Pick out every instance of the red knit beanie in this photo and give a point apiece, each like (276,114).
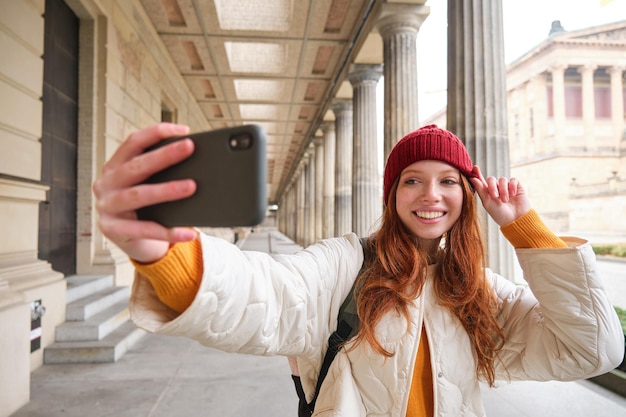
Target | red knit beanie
(426,143)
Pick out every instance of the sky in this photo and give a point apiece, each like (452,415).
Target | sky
(526,24)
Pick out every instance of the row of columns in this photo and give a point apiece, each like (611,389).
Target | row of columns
(588,100)
(347,153)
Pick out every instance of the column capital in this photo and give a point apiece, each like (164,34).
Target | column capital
(363,73)
(327,126)
(304,161)
(317,141)
(587,68)
(617,69)
(401,18)
(340,105)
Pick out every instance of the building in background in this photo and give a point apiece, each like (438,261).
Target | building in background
(566,130)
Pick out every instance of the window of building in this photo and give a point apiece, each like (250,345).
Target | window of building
(573,102)
(550,102)
(602,100)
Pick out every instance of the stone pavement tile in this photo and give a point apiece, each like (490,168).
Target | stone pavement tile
(164,376)
(96,397)
(213,383)
(224,397)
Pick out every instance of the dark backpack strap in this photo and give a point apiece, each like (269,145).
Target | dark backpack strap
(303,406)
(347,327)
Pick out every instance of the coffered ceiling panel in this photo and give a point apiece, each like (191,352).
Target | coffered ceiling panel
(276,63)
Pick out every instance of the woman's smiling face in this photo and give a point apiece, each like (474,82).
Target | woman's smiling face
(429,198)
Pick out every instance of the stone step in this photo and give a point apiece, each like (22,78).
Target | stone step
(86,307)
(80,286)
(96,327)
(109,349)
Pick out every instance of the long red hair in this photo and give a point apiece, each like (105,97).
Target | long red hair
(395,277)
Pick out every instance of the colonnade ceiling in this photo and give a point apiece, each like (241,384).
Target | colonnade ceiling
(276,63)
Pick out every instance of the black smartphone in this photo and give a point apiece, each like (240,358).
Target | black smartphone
(230,169)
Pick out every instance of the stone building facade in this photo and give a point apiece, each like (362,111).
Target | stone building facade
(565,104)
(566,129)
(121,80)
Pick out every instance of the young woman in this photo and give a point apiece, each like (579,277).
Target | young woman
(434,320)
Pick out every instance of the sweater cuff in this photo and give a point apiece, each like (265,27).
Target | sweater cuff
(177,276)
(529,231)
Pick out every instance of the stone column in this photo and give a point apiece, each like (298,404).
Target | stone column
(366,201)
(558,104)
(304,241)
(310,196)
(588,100)
(286,213)
(328,210)
(540,112)
(292,219)
(300,206)
(343,166)
(319,188)
(280,214)
(617,103)
(477,102)
(398,26)
(283,212)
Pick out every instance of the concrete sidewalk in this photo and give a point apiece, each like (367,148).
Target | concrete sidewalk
(174,377)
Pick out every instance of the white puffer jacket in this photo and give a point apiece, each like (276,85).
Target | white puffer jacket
(251,302)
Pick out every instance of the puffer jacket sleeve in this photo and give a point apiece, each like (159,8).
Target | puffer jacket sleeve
(254,303)
(563,327)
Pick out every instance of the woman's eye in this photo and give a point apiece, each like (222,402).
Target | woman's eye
(449,182)
(410,181)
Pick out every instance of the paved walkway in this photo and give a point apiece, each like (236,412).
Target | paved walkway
(174,377)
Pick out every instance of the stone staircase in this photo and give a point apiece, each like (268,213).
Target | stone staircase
(97,327)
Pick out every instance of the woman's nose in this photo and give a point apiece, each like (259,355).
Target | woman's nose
(432,191)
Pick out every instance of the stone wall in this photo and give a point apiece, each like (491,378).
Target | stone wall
(126,77)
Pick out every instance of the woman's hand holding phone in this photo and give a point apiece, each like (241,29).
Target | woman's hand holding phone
(121,190)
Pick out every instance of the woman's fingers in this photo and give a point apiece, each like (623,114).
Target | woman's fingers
(492,187)
(143,241)
(124,231)
(121,190)
(137,142)
(503,198)
(513,187)
(478,175)
(135,197)
(142,166)
(500,188)
(503,189)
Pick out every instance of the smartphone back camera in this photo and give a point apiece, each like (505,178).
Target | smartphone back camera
(240,142)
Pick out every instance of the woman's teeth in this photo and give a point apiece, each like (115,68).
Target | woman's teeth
(429,214)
